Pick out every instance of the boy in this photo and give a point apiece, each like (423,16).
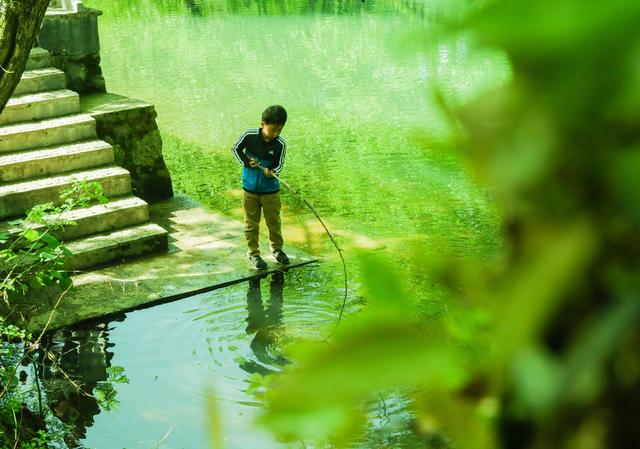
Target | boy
(263,146)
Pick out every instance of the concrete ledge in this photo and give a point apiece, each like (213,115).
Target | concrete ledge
(206,252)
(129,125)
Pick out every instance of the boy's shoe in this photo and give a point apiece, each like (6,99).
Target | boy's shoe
(257,262)
(281,257)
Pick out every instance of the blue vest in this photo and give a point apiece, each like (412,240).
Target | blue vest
(255,181)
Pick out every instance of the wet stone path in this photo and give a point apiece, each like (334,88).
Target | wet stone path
(206,252)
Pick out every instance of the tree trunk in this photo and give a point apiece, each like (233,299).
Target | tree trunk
(20,22)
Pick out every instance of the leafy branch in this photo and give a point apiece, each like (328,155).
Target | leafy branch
(34,257)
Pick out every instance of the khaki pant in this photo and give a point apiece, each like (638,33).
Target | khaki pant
(253,206)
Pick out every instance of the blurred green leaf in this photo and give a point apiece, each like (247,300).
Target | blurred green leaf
(622,173)
(547,29)
(321,422)
(214,423)
(382,286)
(625,108)
(536,376)
(588,355)
(463,420)
(537,285)
(364,359)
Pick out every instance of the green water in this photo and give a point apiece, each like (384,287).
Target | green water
(365,146)
(358,82)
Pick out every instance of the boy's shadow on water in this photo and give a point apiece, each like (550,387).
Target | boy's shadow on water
(264,321)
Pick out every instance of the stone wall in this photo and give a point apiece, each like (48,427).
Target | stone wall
(70,33)
(129,126)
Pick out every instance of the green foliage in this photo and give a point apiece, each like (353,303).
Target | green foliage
(12,340)
(550,358)
(82,194)
(10,332)
(105,391)
(33,257)
(41,441)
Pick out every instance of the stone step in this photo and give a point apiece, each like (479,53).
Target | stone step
(18,197)
(49,132)
(40,80)
(116,246)
(55,160)
(38,58)
(116,214)
(40,106)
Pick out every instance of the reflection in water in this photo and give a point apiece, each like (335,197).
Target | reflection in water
(82,366)
(194,7)
(283,7)
(174,352)
(266,324)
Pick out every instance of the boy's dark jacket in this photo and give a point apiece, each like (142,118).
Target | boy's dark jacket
(269,154)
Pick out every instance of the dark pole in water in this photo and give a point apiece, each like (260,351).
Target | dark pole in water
(333,240)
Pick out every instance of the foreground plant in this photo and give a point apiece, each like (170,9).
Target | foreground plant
(540,349)
(32,258)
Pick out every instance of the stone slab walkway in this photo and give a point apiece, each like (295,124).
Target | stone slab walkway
(206,252)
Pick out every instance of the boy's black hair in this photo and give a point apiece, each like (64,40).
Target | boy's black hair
(275,114)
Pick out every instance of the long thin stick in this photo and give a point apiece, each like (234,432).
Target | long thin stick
(333,240)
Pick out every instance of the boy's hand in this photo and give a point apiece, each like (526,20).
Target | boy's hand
(268,173)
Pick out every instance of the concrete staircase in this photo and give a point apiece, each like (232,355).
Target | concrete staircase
(46,145)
